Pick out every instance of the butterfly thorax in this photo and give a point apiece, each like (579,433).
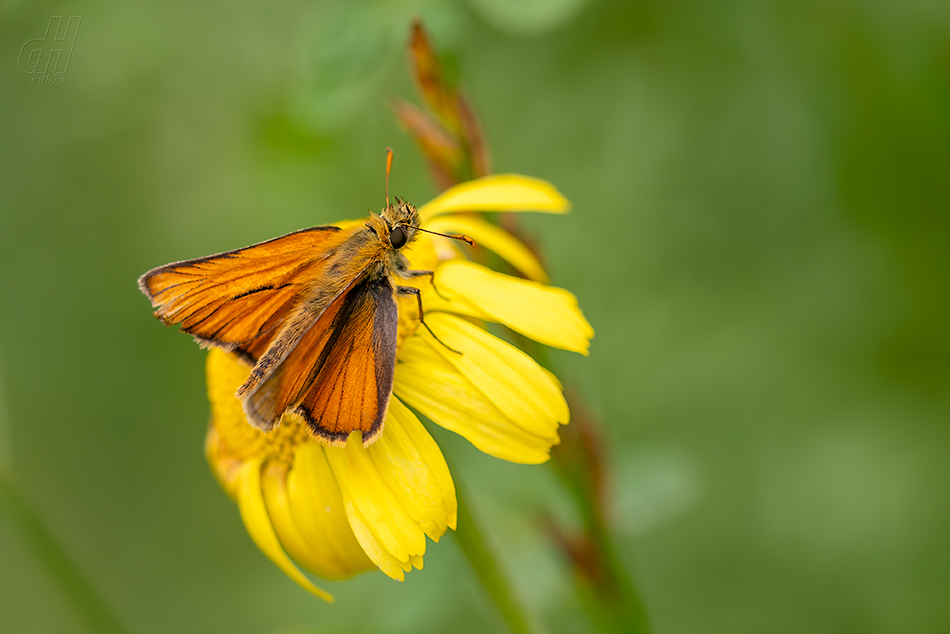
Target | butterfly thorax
(370,250)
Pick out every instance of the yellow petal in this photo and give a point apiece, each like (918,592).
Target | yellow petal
(434,302)
(224,467)
(376,515)
(319,535)
(546,314)
(498,192)
(311,554)
(421,253)
(495,239)
(224,374)
(511,379)
(433,386)
(413,467)
(257,521)
(383,559)
(236,438)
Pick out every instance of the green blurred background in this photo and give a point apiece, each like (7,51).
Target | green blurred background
(761,198)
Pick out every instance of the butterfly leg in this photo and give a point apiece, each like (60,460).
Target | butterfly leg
(411,274)
(412,290)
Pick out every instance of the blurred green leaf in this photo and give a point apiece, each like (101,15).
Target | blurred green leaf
(528,17)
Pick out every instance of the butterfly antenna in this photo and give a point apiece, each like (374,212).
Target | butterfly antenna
(389,165)
(464,239)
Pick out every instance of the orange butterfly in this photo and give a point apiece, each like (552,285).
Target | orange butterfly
(313,311)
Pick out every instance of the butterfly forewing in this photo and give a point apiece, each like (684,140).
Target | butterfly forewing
(232,298)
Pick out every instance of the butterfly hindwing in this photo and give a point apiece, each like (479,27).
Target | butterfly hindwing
(352,388)
(338,376)
(292,360)
(230,299)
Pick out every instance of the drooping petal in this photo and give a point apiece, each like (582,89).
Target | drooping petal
(384,560)
(311,554)
(307,512)
(382,526)
(413,467)
(546,314)
(316,505)
(256,519)
(498,192)
(493,238)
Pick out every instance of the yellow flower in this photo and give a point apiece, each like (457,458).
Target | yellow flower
(338,511)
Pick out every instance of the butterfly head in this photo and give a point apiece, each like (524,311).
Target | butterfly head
(401,220)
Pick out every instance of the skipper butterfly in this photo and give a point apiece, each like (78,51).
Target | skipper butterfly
(313,312)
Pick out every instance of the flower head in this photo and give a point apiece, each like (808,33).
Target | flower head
(339,511)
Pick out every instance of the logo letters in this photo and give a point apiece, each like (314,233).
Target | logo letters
(47,58)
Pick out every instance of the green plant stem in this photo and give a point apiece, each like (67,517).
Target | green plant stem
(87,602)
(617,593)
(486,565)
(604,585)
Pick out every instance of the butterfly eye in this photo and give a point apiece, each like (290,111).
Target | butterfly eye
(397,238)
